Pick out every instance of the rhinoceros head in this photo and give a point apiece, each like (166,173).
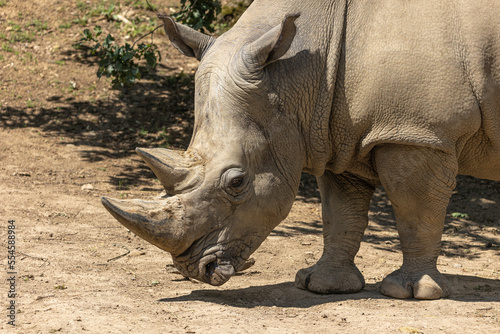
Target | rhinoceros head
(239,176)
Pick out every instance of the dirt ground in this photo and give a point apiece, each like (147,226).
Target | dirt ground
(66,139)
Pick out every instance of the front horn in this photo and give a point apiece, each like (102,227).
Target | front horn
(158,222)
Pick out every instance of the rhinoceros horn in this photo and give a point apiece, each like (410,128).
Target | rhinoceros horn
(177,171)
(158,222)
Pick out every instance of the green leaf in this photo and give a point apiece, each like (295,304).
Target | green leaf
(98,31)
(150,58)
(87,34)
(127,56)
(459,215)
(108,41)
(118,62)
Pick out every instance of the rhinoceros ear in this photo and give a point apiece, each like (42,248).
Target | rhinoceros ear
(272,45)
(188,41)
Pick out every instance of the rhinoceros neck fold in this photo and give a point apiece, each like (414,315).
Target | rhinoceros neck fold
(306,77)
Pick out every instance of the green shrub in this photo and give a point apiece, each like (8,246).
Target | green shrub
(198,14)
(118,61)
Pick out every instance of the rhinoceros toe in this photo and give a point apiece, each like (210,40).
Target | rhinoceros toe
(422,285)
(323,278)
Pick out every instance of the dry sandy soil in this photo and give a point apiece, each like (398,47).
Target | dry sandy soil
(66,139)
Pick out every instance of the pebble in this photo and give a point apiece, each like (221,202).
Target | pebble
(22,174)
(87,187)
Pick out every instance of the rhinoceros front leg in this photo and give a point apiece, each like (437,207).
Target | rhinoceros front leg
(419,182)
(346,201)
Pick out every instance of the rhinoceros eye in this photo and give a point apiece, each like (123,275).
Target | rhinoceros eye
(237,182)
(234,181)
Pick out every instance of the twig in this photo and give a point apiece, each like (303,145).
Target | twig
(123,19)
(149,33)
(101,19)
(119,256)
(191,7)
(42,297)
(34,257)
(152,8)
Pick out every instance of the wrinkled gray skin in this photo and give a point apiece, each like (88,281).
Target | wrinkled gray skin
(400,93)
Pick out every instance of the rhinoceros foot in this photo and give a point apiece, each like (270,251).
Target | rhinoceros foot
(328,278)
(429,284)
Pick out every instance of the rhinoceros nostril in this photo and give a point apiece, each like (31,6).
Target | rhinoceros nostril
(218,273)
(210,269)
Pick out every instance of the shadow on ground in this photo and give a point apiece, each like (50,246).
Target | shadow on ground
(157,113)
(467,288)
(474,208)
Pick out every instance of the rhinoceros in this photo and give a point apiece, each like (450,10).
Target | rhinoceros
(403,94)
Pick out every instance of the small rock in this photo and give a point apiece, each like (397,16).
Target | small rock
(457,265)
(129,13)
(22,174)
(485,203)
(87,187)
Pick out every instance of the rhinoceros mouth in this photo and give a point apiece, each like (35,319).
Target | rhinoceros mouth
(217,271)
(214,264)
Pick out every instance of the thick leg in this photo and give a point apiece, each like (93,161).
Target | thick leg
(346,201)
(419,182)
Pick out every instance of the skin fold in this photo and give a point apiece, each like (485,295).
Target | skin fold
(359,93)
